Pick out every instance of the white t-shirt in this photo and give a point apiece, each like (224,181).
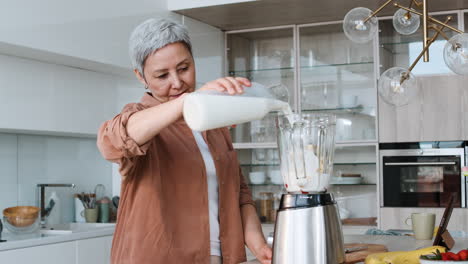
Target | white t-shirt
(213,196)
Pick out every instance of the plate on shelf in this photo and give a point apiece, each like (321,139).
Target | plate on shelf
(346,180)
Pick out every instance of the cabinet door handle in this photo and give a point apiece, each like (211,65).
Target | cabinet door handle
(418,163)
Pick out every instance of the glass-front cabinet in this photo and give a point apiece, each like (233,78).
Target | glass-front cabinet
(337,75)
(316,69)
(397,50)
(266,57)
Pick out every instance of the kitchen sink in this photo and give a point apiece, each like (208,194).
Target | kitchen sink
(68,228)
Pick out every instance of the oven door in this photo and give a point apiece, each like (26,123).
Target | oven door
(422,178)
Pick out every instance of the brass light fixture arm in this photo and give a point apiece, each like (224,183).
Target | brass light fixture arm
(442,33)
(405,76)
(425,31)
(408,14)
(377,10)
(416,3)
(433,20)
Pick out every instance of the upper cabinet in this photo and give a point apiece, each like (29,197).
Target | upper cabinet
(38,97)
(397,50)
(337,75)
(316,68)
(437,112)
(266,57)
(189,4)
(244,14)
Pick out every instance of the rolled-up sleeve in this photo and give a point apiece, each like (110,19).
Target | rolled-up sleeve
(115,144)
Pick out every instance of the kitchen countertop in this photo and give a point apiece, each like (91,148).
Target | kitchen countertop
(394,243)
(83,231)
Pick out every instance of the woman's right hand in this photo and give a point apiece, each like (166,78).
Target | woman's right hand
(230,85)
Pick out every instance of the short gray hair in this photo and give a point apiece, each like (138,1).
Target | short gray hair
(152,35)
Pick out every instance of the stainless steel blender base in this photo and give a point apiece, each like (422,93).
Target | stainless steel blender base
(310,235)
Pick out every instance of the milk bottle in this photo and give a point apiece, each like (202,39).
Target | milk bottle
(208,109)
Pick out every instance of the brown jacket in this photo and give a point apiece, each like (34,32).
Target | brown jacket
(163,210)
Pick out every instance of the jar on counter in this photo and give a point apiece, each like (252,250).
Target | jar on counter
(266,206)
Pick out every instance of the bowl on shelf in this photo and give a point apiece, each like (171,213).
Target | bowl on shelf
(276,177)
(21,219)
(257,177)
(346,180)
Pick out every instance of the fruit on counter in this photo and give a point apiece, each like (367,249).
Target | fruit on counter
(401,257)
(462,255)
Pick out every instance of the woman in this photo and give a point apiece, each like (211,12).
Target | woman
(183,197)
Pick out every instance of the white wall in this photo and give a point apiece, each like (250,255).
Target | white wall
(87,29)
(58,84)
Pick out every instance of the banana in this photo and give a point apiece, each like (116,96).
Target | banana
(401,257)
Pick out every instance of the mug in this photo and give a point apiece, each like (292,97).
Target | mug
(422,224)
(90,214)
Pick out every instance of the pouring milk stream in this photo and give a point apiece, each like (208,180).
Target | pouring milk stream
(303,154)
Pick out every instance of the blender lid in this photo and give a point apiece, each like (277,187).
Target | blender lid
(295,201)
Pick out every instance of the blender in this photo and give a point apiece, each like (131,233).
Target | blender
(308,227)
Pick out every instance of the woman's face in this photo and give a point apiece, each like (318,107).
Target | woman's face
(169,72)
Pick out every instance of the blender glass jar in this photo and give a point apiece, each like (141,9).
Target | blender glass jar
(307,144)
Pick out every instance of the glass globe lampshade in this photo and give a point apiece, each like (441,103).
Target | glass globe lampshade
(355,28)
(456,54)
(397,86)
(405,23)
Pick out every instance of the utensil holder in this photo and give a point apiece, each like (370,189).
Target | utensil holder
(91,215)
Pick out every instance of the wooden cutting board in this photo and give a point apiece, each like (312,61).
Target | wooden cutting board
(360,256)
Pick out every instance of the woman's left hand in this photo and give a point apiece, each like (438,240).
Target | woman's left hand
(264,254)
(229,85)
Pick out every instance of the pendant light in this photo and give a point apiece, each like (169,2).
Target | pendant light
(398,86)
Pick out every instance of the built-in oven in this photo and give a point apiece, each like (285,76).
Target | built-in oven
(422,174)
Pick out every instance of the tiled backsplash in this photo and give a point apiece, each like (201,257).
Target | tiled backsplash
(26,160)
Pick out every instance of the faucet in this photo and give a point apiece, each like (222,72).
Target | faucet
(1,229)
(45,211)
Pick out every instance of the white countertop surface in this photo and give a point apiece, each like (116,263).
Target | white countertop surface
(394,243)
(80,231)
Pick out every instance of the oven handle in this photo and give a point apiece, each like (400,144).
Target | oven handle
(418,163)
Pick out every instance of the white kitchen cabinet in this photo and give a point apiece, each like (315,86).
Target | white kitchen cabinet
(400,124)
(38,97)
(437,114)
(441,108)
(59,253)
(84,251)
(93,250)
